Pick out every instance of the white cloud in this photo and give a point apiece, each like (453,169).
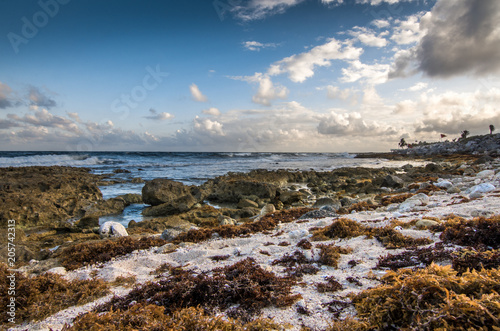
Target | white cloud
(299,67)
(405,107)
(350,94)
(259,9)
(381,23)
(207,126)
(266,91)
(368,37)
(352,124)
(158,116)
(368,73)
(39,99)
(257,46)
(196,93)
(408,31)
(418,87)
(211,111)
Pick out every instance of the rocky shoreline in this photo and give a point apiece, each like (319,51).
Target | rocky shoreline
(239,216)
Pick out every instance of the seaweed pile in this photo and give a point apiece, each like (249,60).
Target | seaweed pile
(40,296)
(243,288)
(388,236)
(82,254)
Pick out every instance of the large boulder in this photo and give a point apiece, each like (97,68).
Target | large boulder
(161,190)
(235,190)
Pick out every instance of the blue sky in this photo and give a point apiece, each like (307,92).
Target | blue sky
(255,75)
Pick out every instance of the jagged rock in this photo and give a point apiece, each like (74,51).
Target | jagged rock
(170,234)
(247,203)
(177,206)
(290,197)
(106,207)
(160,191)
(433,167)
(393,181)
(131,198)
(234,191)
(137,180)
(321,213)
(88,222)
(112,229)
(46,196)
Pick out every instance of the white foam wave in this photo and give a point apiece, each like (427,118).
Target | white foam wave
(49,160)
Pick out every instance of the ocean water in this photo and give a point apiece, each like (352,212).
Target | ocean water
(188,168)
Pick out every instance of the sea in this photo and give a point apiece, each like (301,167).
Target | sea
(191,168)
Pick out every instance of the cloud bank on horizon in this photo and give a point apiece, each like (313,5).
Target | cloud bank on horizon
(258,75)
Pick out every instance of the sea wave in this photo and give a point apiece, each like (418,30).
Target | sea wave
(50,160)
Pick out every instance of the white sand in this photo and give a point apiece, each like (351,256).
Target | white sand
(365,251)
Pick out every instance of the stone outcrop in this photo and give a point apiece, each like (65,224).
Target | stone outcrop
(46,196)
(168,197)
(486,144)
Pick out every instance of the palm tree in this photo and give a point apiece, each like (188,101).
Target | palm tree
(402,143)
(464,135)
(492,128)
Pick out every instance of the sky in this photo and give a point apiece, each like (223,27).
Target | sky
(245,76)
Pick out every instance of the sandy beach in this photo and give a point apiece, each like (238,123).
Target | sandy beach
(465,197)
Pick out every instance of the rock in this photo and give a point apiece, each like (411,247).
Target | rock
(137,180)
(485,174)
(321,213)
(443,183)
(334,203)
(267,209)
(420,199)
(131,198)
(46,196)
(433,167)
(297,234)
(235,190)
(481,213)
(107,207)
(226,220)
(393,181)
(165,191)
(482,188)
(167,248)
(121,171)
(347,201)
(88,222)
(177,206)
(112,229)
(424,223)
(247,203)
(453,190)
(170,234)
(290,197)
(58,271)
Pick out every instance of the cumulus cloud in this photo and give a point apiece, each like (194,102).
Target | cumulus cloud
(350,94)
(208,126)
(369,73)
(369,37)
(196,93)
(453,112)
(211,111)
(300,67)
(39,99)
(351,124)
(267,91)
(257,46)
(408,31)
(381,23)
(154,115)
(461,37)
